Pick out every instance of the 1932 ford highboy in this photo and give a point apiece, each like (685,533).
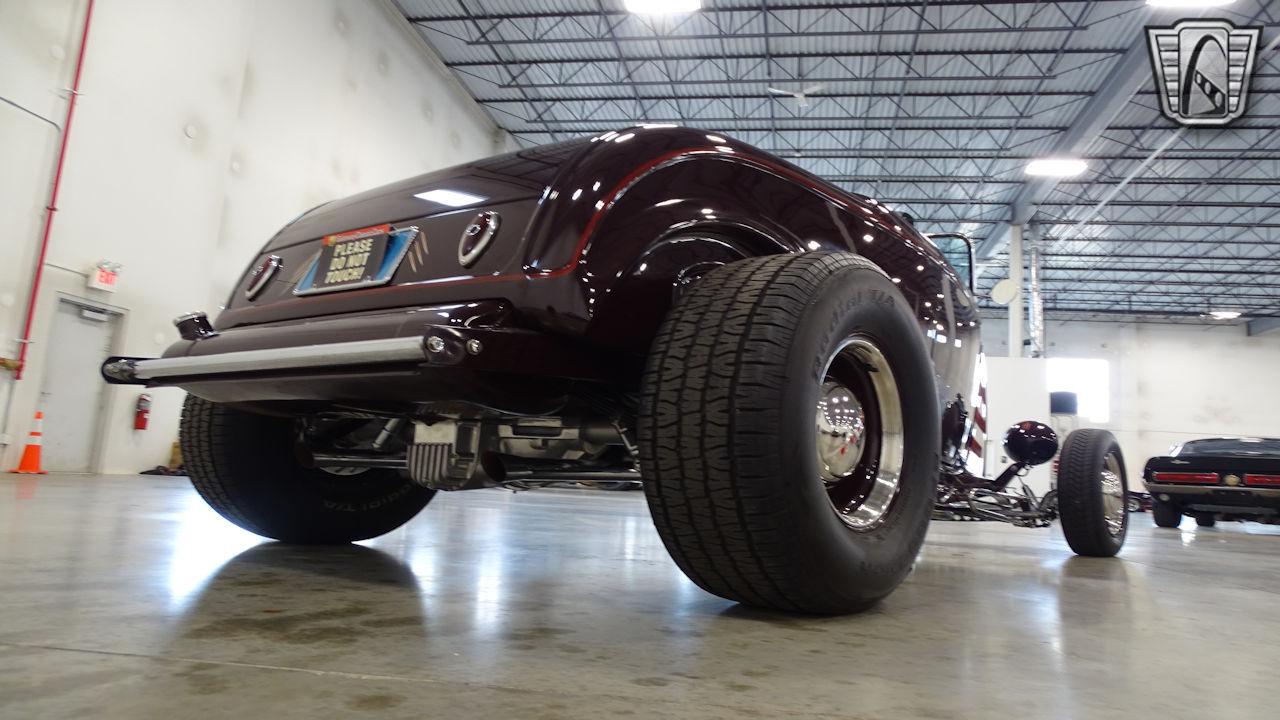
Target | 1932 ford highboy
(782,363)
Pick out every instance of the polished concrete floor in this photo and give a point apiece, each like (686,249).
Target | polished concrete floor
(125,597)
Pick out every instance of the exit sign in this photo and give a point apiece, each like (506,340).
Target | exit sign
(104,276)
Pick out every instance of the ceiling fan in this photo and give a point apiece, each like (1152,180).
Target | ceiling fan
(801,96)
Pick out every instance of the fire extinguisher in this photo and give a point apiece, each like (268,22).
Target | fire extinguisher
(142,412)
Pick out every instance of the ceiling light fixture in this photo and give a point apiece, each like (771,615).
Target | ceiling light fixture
(1057,167)
(1184,4)
(661,7)
(1224,314)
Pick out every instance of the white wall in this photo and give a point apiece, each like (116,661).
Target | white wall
(1170,382)
(201,129)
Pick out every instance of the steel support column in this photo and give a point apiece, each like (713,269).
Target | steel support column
(1015,307)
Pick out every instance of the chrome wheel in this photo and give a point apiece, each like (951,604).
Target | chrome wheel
(842,431)
(1114,510)
(858,433)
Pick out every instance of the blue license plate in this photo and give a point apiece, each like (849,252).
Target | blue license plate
(362,258)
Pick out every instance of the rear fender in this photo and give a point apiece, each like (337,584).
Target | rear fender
(631,309)
(678,221)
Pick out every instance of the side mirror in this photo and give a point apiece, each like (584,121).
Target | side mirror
(1031,443)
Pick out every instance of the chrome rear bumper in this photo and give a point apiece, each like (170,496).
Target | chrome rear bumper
(1227,491)
(124,370)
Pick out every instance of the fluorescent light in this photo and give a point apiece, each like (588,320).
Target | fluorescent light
(1057,167)
(661,7)
(1224,314)
(452,198)
(1188,3)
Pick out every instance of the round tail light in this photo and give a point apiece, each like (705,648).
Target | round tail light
(477,236)
(262,275)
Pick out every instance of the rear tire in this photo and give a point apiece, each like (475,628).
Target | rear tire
(242,464)
(1093,493)
(1166,514)
(1206,520)
(729,442)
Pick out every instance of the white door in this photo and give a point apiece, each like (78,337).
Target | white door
(73,391)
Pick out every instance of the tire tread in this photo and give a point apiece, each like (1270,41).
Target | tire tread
(1080,503)
(242,465)
(708,449)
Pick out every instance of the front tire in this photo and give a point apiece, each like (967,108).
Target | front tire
(1206,520)
(1092,493)
(748,455)
(243,465)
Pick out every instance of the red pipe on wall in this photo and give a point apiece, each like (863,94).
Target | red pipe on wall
(52,206)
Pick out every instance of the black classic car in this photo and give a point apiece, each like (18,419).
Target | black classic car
(1216,479)
(783,365)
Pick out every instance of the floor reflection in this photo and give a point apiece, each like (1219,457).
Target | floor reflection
(571,595)
(202,542)
(277,594)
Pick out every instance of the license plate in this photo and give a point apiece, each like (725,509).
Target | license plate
(356,259)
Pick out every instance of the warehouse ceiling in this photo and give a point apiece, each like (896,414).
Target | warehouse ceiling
(936,108)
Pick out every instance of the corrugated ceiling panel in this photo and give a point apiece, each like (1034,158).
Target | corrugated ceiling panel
(934,107)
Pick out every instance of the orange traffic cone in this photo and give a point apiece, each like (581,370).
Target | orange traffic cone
(30,463)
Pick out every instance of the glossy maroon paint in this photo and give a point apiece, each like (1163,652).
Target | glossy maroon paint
(596,238)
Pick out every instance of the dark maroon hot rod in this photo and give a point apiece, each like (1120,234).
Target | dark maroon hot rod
(783,364)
